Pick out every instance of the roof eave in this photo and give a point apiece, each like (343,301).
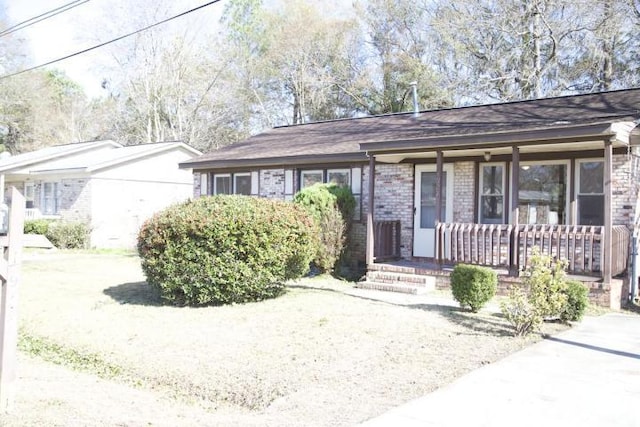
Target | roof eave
(512,137)
(275,161)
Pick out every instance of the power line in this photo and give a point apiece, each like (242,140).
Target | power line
(6,76)
(50,14)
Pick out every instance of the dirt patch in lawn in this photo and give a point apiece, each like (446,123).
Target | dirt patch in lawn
(322,354)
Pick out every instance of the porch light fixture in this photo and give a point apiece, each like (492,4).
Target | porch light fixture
(525,167)
(487,156)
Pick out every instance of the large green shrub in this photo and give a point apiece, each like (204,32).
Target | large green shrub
(332,208)
(576,303)
(344,200)
(68,234)
(36,226)
(473,286)
(225,249)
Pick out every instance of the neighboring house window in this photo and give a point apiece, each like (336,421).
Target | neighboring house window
(349,177)
(235,183)
(29,194)
(543,193)
(590,192)
(492,193)
(50,198)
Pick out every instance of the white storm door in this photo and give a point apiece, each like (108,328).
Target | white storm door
(425,207)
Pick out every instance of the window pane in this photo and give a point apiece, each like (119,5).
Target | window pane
(50,198)
(492,179)
(243,184)
(223,184)
(542,195)
(428,199)
(492,208)
(311,177)
(591,177)
(591,210)
(339,178)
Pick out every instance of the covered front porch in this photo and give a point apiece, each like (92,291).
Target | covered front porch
(572,218)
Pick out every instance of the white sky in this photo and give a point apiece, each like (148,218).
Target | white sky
(77,29)
(89,24)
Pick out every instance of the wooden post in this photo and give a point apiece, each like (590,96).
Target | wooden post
(573,202)
(370,234)
(439,180)
(10,272)
(515,210)
(608,224)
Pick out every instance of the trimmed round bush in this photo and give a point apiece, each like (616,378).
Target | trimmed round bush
(473,286)
(332,208)
(577,301)
(68,234)
(225,249)
(36,226)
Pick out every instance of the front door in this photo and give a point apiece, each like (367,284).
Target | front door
(425,207)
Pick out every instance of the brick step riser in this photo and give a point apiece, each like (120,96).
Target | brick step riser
(423,281)
(405,289)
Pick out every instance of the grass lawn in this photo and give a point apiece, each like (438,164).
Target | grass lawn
(323,354)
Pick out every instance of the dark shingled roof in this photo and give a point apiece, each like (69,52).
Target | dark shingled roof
(339,140)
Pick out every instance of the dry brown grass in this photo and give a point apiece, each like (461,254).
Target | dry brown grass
(322,354)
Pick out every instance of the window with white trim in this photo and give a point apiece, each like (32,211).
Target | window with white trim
(349,177)
(491,206)
(50,198)
(245,183)
(590,192)
(29,194)
(242,183)
(310,177)
(222,183)
(543,192)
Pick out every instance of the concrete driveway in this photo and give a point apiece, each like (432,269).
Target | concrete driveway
(587,376)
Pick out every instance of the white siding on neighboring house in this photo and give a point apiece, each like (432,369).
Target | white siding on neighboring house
(127,194)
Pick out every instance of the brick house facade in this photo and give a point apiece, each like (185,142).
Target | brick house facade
(558,167)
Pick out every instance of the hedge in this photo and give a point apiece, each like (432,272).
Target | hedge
(225,249)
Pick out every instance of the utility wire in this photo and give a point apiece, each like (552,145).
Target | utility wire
(6,76)
(50,14)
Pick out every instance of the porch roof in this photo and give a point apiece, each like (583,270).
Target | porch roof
(576,118)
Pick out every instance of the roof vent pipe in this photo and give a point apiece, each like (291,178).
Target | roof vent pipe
(416,109)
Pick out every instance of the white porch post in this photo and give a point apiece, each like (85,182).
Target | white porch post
(439,180)
(608,222)
(370,255)
(515,211)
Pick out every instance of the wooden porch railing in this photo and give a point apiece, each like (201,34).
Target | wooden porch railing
(620,242)
(492,245)
(387,240)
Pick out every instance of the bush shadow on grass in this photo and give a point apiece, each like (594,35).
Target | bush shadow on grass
(479,323)
(137,293)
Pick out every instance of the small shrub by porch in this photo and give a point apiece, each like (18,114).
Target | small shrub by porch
(473,286)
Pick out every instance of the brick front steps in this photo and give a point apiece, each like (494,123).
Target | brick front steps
(417,278)
(392,278)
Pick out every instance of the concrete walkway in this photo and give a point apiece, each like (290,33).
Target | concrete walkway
(588,376)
